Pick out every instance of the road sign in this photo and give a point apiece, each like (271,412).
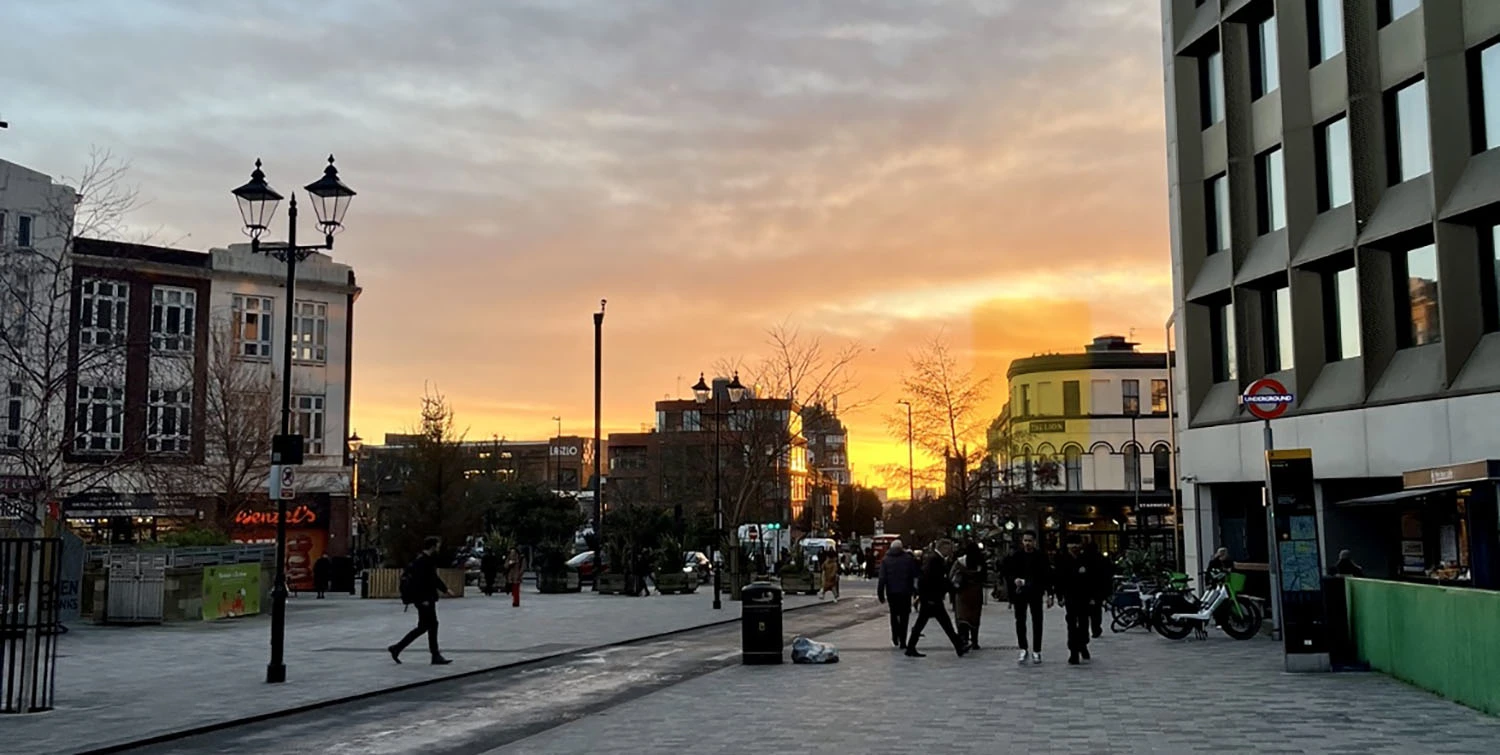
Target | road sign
(283,482)
(1266,398)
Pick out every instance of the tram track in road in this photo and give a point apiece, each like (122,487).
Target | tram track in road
(481,712)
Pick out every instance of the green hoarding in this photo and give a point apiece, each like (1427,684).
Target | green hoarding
(230,591)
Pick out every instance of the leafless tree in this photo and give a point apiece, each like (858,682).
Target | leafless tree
(41,363)
(240,417)
(948,421)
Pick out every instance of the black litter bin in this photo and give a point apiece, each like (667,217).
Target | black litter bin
(760,619)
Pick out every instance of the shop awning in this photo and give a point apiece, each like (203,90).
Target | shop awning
(1401,496)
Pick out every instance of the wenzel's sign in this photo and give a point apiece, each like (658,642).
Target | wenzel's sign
(299,516)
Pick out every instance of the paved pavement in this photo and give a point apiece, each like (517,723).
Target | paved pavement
(117,684)
(1141,694)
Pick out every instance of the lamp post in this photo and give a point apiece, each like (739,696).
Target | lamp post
(354,444)
(1133,408)
(257,202)
(557,478)
(701,392)
(598,449)
(911,463)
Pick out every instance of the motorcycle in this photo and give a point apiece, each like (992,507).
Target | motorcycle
(1179,613)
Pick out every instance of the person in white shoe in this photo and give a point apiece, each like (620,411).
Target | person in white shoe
(1028,577)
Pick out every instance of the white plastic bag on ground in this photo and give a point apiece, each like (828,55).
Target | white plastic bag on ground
(812,651)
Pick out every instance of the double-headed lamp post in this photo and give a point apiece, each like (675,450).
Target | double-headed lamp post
(702,391)
(257,201)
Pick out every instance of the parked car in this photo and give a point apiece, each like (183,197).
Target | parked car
(583,563)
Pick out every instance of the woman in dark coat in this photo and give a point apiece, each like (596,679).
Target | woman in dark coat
(322,574)
(968,576)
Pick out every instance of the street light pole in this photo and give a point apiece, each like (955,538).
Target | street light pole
(557,478)
(701,391)
(598,448)
(911,457)
(257,202)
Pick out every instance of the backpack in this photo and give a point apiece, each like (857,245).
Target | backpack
(408,586)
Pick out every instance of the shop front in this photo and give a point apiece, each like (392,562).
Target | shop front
(102,517)
(308,520)
(1117,522)
(1442,527)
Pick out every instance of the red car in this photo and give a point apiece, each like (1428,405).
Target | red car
(583,563)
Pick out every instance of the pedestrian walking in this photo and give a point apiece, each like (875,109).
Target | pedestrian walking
(1028,580)
(968,578)
(490,565)
(1104,585)
(515,570)
(933,588)
(1077,586)
(322,574)
(830,575)
(1346,566)
(420,586)
(898,585)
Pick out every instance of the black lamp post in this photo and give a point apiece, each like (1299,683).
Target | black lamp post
(354,444)
(702,391)
(598,444)
(257,201)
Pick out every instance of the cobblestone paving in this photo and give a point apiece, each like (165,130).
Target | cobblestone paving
(118,684)
(1141,694)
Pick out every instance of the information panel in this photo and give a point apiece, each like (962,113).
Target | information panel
(1295,513)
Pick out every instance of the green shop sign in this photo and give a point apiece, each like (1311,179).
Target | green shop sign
(231,591)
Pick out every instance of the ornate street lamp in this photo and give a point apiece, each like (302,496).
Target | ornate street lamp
(702,391)
(257,202)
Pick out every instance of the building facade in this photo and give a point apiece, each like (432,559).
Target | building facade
(1334,209)
(1087,437)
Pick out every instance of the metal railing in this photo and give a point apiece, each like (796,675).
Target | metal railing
(30,577)
(214,555)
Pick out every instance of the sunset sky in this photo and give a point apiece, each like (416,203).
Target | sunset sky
(878,171)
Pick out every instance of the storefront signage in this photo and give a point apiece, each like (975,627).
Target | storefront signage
(565,451)
(231,591)
(1049,426)
(1298,556)
(19,484)
(1472,471)
(296,516)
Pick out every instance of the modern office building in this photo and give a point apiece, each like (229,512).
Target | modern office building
(1335,194)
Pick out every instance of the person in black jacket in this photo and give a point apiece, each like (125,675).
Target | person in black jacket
(1028,578)
(1104,582)
(932,590)
(322,574)
(1078,587)
(424,588)
(899,573)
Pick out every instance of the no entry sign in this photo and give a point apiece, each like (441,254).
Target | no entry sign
(1266,398)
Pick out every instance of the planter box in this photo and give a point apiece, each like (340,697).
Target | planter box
(676,584)
(793,582)
(386,583)
(611,584)
(559,583)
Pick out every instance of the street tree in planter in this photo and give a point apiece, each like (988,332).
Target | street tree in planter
(437,498)
(630,541)
(668,573)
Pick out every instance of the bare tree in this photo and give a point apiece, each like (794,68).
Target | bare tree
(46,368)
(947,417)
(241,414)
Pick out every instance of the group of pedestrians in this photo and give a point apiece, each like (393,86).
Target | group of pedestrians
(1080,578)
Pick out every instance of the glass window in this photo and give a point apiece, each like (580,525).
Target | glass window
(1422,293)
(1267,74)
(1025,401)
(1221,327)
(253,326)
(169,427)
(1271,176)
(1161,468)
(1390,10)
(13,415)
(1410,149)
(1335,178)
(99,419)
(1491,288)
(23,230)
(1072,399)
(1278,328)
(307,421)
(1341,314)
(172,315)
(1489,93)
(1211,86)
(1159,402)
(1073,468)
(102,307)
(1132,458)
(1327,32)
(1218,213)
(310,332)
(1130,396)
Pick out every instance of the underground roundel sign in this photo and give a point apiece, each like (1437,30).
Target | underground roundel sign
(1266,398)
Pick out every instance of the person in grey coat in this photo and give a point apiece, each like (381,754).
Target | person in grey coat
(898,584)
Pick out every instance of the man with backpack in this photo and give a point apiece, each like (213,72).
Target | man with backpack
(420,586)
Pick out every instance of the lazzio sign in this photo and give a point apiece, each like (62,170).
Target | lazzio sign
(565,451)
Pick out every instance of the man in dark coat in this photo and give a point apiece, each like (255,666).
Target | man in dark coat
(933,588)
(898,584)
(489,567)
(423,586)
(1104,581)
(1028,579)
(1078,587)
(322,574)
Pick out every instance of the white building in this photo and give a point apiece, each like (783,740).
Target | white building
(1088,437)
